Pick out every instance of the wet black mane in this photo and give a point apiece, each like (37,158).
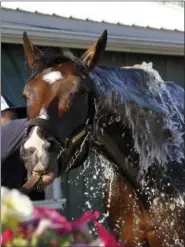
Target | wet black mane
(151,108)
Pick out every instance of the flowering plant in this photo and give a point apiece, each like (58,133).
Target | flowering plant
(26,225)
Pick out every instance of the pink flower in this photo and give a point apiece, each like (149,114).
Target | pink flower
(106,237)
(56,219)
(81,224)
(85,218)
(22,232)
(7,236)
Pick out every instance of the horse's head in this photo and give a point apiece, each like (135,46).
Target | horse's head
(59,107)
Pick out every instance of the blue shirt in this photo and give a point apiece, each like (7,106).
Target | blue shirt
(12,134)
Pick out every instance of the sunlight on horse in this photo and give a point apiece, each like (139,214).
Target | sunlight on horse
(131,119)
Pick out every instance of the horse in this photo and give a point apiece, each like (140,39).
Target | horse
(131,117)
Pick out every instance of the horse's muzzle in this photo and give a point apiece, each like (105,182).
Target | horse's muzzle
(33,161)
(35,164)
(39,168)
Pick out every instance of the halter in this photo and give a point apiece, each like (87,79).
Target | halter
(64,144)
(77,134)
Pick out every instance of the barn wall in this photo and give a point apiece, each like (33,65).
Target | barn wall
(14,76)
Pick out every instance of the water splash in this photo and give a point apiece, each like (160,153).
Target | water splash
(151,108)
(96,171)
(148,67)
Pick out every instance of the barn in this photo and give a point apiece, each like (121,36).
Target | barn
(131,40)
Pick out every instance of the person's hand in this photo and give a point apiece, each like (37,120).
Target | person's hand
(47,178)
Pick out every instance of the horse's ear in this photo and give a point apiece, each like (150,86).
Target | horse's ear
(92,56)
(32,53)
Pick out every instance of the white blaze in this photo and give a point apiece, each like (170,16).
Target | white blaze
(43,114)
(34,141)
(52,77)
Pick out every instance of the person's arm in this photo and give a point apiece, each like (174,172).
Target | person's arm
(11,137)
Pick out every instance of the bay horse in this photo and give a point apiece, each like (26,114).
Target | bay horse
(130,116)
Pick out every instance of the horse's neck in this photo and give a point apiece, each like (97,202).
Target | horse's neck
(118,150)
(120,138)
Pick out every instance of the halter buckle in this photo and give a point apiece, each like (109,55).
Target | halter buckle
(78,136)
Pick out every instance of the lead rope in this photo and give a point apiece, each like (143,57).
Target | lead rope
(31,183)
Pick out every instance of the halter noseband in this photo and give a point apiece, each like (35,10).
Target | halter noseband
(67,142)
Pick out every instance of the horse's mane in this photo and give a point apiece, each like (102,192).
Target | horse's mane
(151,108)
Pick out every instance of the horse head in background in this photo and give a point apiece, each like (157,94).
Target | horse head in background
(131,117)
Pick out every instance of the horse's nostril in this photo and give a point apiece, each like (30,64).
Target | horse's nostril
(29,151)
(47,145)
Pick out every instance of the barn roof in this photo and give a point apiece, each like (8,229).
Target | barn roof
(132,27)
(140,14)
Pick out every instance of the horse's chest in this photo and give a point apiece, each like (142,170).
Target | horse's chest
(126,216)
(136,226)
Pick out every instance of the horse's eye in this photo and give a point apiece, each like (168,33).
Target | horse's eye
(44,129)
(43,132)
(24,96)
(82,92)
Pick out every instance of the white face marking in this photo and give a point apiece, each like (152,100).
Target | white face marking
(52,77)
(35,141)
(43,114)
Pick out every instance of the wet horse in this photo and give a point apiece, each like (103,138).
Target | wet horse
(131,117)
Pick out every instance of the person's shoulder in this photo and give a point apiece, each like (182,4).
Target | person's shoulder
(20,121)
(15,124)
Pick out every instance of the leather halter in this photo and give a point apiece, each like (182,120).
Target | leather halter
(66,143)
(77,134)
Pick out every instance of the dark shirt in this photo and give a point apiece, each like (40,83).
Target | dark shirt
(13,172)
(12,134)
